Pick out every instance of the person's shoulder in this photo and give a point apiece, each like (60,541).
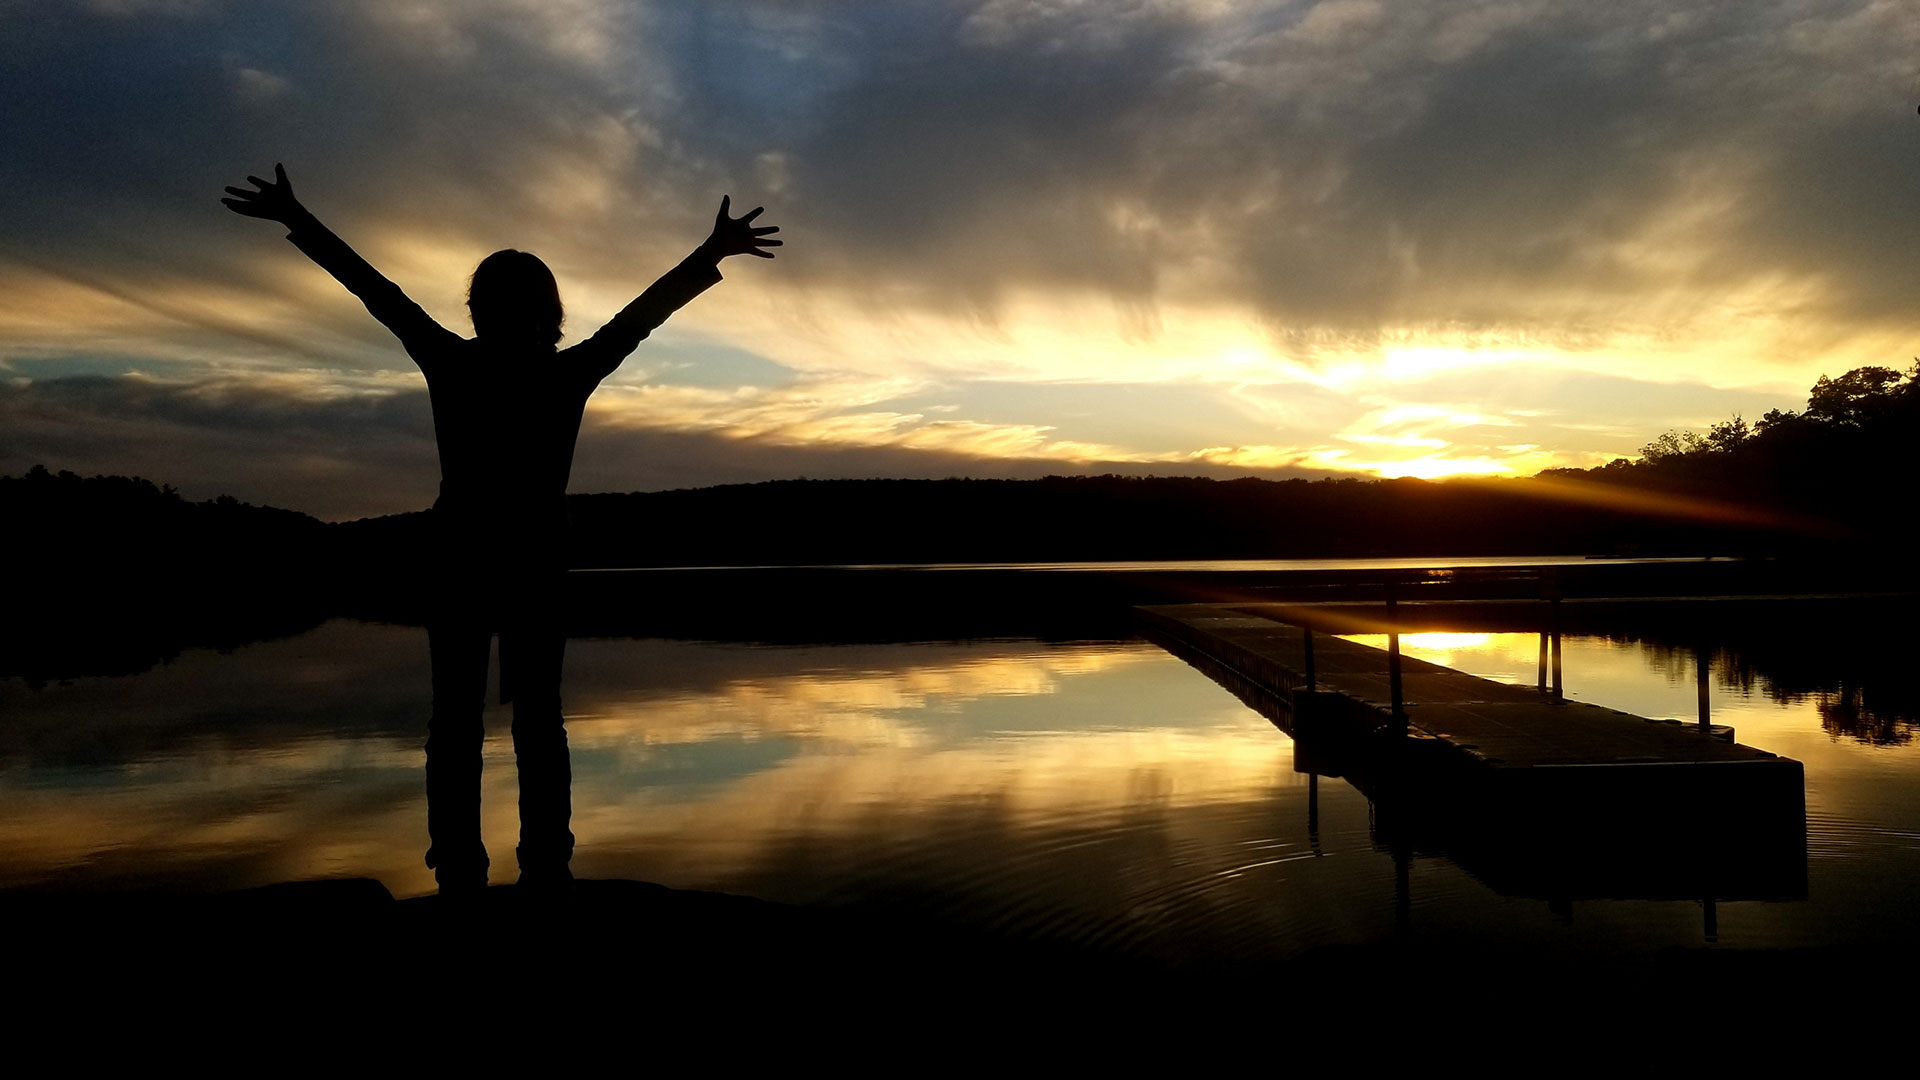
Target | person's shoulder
(447,354)
(580,352)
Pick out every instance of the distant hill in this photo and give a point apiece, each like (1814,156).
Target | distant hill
(1105,518)
(109,575)
(1830,476)
(126,527)
(1101,518)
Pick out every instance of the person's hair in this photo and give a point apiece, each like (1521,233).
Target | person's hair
(513,296)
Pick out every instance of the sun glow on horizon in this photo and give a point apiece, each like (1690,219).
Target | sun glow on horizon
(1439,468)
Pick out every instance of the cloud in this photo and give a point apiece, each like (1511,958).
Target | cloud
(281,440)
(1281,215)
(1338,167)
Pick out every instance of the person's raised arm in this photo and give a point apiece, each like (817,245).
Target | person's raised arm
(604,351)
(274,201)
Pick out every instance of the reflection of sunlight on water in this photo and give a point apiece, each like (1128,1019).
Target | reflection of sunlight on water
(1851,762)
(1436,647)
(1594,669)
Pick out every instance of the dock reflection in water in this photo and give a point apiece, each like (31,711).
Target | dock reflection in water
(1103,794)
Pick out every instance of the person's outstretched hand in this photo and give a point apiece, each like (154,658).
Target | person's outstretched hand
(274,201)
(737,236)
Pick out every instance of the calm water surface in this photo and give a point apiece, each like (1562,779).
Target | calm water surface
(1235,565)
(1103,793)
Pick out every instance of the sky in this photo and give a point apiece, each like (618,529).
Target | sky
(1024,237)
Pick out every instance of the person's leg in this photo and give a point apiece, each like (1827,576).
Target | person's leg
(538,645)
(457,854)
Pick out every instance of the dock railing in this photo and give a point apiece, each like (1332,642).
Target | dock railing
(1544,585)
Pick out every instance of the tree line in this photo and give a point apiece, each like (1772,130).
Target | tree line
(1836,465)
(1802,481)
(129,526)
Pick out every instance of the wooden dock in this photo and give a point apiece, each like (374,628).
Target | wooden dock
(1489,767)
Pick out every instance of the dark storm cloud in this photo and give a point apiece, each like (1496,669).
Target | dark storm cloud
(1346,163)
(957,162)
(1354,164)
(126,120)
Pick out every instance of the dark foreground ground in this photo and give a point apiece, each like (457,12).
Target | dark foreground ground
(605,971)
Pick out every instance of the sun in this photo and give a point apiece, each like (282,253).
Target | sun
(1438,468)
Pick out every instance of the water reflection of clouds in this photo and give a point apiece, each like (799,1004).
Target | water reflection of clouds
(342,679)
(301,758)
(1038,778)
(1055,828)
(901,706)
(289,812)
(1097,791)
(1042,737)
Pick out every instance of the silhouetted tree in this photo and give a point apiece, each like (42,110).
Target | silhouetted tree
(1827,463)
(1862,398)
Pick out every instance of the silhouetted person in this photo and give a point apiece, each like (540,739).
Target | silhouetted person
(507,405)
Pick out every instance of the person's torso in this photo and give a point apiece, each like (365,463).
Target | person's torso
(506,424)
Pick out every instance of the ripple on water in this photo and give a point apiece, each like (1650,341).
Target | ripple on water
(1205,881)
(1836,836)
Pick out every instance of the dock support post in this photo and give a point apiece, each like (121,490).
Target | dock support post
(1307,640)
(1549,581)
(1700,666)
(1393,668)
(1559,688)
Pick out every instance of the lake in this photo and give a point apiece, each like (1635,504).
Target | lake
(1097,793)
